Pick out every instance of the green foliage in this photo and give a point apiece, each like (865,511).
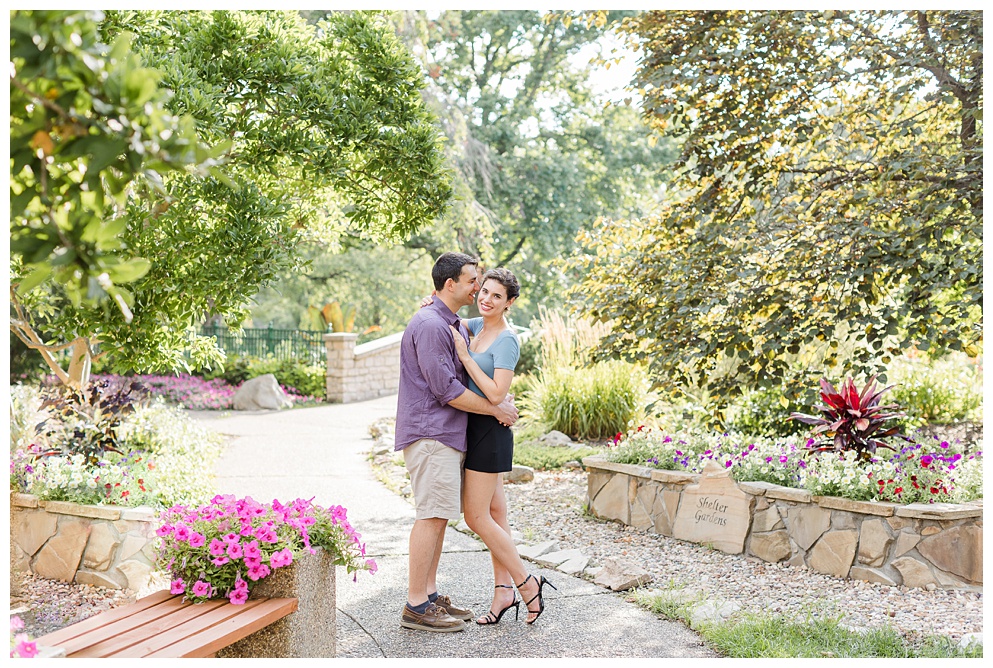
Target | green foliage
(161,456)
(853,420)
(320,132)
(306,379)
(545,458)
(941,391)
(88,124)
(568,393)
(537,155)
(826,210)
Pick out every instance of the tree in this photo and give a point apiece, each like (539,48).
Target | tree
(538,156)
(322,132)
(827,208)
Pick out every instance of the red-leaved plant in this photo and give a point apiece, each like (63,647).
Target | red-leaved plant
(852,420)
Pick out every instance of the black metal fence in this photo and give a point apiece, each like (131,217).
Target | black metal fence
(284,344)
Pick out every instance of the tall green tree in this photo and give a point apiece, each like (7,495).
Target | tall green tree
(827,211)
(321,131)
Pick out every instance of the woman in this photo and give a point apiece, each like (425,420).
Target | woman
(490,360)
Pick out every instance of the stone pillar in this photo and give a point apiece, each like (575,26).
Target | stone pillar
(341,362)
(307,633)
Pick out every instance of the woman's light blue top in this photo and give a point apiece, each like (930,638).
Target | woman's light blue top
(503,353)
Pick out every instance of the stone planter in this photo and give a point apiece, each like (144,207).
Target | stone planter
(105,546)
(307,633)
(916,545)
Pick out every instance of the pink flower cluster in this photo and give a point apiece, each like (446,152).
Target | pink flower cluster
(196,393)
(223,545)
(20,645)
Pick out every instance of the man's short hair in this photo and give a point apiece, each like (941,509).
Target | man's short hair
(449,266)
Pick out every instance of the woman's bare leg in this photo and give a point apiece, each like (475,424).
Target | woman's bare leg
(479,492)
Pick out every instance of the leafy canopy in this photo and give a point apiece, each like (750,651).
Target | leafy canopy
(827,208)
(320,131)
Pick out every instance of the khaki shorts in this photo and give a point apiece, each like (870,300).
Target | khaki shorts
(436,479)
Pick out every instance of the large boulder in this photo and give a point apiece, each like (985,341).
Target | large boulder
(261,393)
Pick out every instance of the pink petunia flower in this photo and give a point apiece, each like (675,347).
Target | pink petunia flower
(258,571)
(219,561)
(252,550)
(177,586)
(201,589)
(234,550)
(282,558)
(197,539)
(216,548)
(24,648)
(238,596)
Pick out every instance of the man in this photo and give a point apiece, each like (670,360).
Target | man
(432,408)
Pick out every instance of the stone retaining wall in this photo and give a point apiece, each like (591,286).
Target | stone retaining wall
(105,546)
(357,373)
(917,545)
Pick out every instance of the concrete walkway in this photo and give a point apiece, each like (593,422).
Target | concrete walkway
(321,452)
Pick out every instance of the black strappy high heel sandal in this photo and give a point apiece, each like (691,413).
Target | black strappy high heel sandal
(541,601)
(494,617)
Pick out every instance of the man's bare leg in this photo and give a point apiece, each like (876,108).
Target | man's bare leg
(426,540)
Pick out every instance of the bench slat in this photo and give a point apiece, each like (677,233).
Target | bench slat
(115,638)
(208,641)
(60,637)
(111,628)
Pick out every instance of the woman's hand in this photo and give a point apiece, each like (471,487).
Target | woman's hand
(460,345)
(427,301)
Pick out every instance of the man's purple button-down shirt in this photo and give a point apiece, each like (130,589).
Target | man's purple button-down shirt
(431,375)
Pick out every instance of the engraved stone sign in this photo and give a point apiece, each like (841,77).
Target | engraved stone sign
(714,512)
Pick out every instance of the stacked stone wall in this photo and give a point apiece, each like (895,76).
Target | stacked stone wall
(104,546)
(916,545)
(358,373)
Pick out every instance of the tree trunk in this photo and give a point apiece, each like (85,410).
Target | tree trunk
(80,364)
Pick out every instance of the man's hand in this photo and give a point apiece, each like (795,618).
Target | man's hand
(506,412)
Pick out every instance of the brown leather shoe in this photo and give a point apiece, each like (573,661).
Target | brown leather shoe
(434,619)
(458,613)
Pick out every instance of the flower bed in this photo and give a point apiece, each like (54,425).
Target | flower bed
(924,545)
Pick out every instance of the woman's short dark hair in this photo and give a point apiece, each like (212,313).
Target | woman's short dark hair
(506,278)
(449,266)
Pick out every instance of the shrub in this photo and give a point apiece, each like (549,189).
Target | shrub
(86,421)
(939,391)
(853,420)
(594,403)
(164,458)
(761,412)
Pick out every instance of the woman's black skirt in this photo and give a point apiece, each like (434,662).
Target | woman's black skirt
(490,445)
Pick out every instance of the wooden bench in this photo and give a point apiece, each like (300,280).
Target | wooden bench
(163,625)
